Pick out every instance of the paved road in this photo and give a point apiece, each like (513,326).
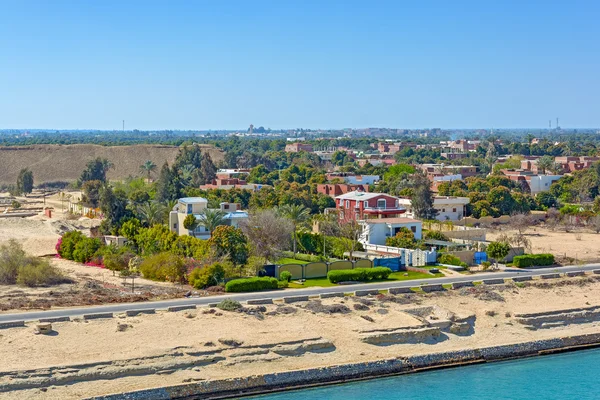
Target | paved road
(117,308)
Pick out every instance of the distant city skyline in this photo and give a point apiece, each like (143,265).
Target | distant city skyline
(189,65)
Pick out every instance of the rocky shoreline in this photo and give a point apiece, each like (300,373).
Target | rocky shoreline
(259,384)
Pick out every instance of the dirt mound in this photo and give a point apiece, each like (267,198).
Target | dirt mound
(50,162)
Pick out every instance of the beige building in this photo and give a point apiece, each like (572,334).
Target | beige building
(196,206)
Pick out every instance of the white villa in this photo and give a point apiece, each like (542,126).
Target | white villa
(449,208)
(376,231)
(195,206)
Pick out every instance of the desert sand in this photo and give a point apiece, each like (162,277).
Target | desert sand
(209,344)
(580,245)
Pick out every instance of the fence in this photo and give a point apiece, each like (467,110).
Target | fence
(316,269)
(408,257)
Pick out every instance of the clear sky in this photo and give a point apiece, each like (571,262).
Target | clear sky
(286,64)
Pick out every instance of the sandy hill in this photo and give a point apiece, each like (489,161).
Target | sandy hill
(50,162)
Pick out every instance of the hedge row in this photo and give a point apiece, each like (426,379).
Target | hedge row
(529,260)
(358,274)
(251,284)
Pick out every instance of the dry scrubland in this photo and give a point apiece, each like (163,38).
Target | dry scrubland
(580,245)
(127,353)
(50,162)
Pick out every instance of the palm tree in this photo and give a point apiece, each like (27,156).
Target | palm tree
(148,167)
(151,213)
(211,218)
(187,174)
(298,215)
(544,163)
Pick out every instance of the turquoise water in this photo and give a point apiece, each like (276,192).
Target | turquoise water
(565,376)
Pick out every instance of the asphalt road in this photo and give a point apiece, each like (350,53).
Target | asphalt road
(199,301)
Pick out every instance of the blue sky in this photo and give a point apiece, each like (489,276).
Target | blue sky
(287,64)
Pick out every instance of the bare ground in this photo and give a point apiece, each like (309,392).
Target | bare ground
(50,162)
(98,357)
(580,245)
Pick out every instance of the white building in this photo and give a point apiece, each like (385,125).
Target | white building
(196,205)
(541,183)
(449,208)
(361,179)
(376,231)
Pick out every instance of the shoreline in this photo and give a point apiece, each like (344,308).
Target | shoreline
(346,373)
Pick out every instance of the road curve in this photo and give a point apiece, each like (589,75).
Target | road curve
(199,301)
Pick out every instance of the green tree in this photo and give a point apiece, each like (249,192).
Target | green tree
(498,250)
(404,239)
(500,198)
(113,204)
(422,197)
(190,223)
(168,186)
(268,234)
(25,181)
(95,170)
(150,213)
(230,242)
(211,219)
(298,215)
(207,171)
(91,193)
(546,200)
(148,167)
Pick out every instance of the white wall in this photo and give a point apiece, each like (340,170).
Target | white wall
(541,183)
(378,233)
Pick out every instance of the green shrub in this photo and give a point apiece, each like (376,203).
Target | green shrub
(282,284)
(12,256)
(450,259)
(358,274)
(229,305)
(164,267)
(68,242)
(117,262)
(85,249)
(251,284)
(436,235)
(285,276)
(210,275)
(39,273)
(529,260)
(303,257)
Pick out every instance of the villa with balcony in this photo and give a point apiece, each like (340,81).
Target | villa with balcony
(360,205)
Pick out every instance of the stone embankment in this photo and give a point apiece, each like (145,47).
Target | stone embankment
(229,388)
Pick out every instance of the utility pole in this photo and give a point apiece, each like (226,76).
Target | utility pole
(123,125)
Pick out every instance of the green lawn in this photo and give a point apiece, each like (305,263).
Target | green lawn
(396,276)
(284,261)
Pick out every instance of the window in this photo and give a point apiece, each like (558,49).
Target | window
(454,210)
(413,229)
(366,204)
(381,203)
(341,203)
(347,203)
(443,210)
(189,208)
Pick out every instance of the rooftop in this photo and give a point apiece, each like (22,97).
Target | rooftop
(192,200)
(356,195)
(392,221)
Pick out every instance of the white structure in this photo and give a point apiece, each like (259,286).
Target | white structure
(448,178)
(376,231)
(196,206)
(541,183)
(449,208)
(408,257)
(361,179)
